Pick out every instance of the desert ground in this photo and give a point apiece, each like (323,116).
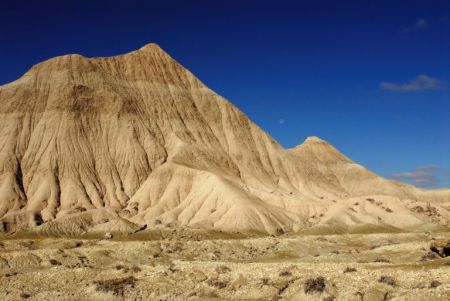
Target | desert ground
(178,263)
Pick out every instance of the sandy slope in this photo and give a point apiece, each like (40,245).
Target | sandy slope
(138,138)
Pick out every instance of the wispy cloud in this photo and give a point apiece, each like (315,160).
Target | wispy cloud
(418,84)
(427,167)
(281,121)
(420,24)
(421,176)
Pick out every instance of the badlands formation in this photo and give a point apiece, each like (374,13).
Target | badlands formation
(197,202)
(113,143)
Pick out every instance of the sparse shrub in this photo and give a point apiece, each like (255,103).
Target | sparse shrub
(222,269)
(356,204)
(335,252)
(265,281)
(116,286)
(10,274)
(158,222)
(381,259)
(25,295)
(360,295)
(329,298)
(280,231)
(430,256)
(215,282)
(54,262)
(314,285)
(349,270)
(387,280)
(370,200)
(136,269)
(285,274)
(434,284)
(418,209)
(172,268)
(387,296)
(389,210)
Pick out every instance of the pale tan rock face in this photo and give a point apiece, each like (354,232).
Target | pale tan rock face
(137,137)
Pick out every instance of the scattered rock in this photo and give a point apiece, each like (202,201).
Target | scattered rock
(25,295)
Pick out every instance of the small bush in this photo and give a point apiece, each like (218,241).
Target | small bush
(430,256)
(136,269)
(387,280)
(222,269)
(387,296)
(285,274)
(314,285)
(389,210)
(116,286)
(215,282)
(54,262)
(329,298)
(381,259)
(25,295)
(349,270)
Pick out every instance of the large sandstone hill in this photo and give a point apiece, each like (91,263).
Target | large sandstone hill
(109,143)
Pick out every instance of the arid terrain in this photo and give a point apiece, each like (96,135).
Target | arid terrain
(181,264)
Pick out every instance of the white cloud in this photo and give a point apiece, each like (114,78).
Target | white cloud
(420,176)
(420,83)
(281,121)
(420,24)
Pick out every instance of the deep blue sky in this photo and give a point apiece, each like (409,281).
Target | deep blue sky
(371,77)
